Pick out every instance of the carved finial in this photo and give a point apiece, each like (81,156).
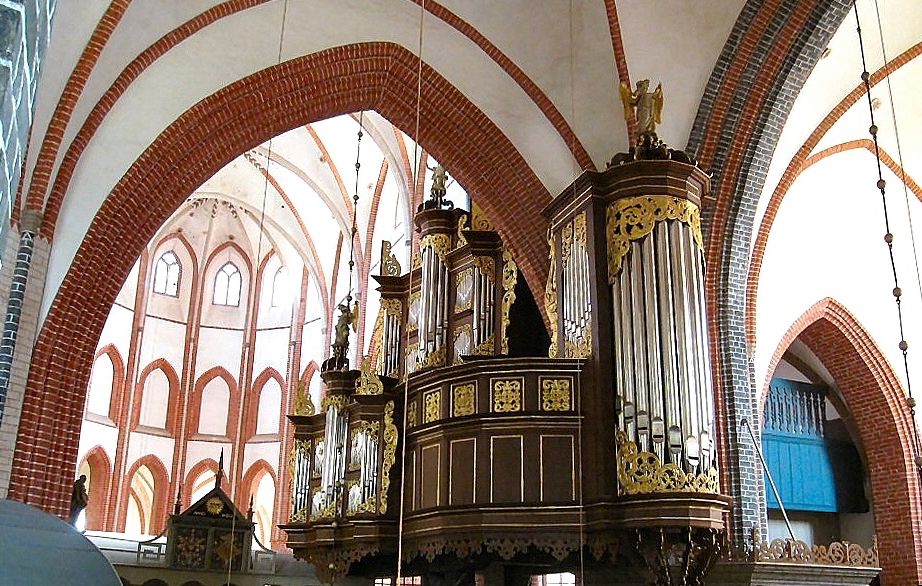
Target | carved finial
(177,506)
(220,474)
(647,108)
(348,316)
(303,403)
(390,266)
(438,191)
(250,511)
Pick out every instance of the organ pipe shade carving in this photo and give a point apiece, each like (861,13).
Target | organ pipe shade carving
(463,400)
(369,382)
(555,394)
(575,287)
(632,218)
(390,453)
(510,278)
(663,381)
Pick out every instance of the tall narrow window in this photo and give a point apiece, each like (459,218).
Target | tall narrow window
(279,288)
(167,274)
(227,285)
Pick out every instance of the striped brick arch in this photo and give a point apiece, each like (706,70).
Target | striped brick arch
(883,422)
(378,76)
(764,64)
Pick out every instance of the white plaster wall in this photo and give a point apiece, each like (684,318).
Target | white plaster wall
(96,434)
(163,339)
(219,347)
(268,451)
(117,330)
(828,242)
(141,444)
(197,450)
(271,351)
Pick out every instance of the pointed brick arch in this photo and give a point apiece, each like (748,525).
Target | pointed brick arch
(117,392)
(161,492)
(208,464)
(97,508)
(876,403)
(251,417)
(195,400)
(172,412)
(379,76)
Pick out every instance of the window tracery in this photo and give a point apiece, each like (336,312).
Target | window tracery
(167,274)
(227,285)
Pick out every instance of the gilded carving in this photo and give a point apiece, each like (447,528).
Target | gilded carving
(581,348)
(376,348)
(337,401)
(417,261)
(390,452)
(462,227)
(440,243)
(390,266)
(303,404)
(463,401)
(368,383)
(579,229)
(413,319)
(555,394)
(644,473)
(486,266)
(633,218)
(566,242)
(412,414)
(432,403)
(550,297)
(838,553)
(436,358)
(411,358)
(392,307)
(479,220)
(464,290)
(510,277)
(507,395)
(462,343)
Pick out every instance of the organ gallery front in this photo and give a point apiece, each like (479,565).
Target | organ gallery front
(598,458)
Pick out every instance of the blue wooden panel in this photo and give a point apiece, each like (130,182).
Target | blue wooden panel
(803,471)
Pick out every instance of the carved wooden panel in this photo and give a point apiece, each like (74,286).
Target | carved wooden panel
(506,482)
(462,476)
(430,473)
(558,482)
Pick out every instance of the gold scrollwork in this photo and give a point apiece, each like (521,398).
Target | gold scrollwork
(633,218)
(440,243)
(432,403)
(550,296)
(463,400)
(644,473)
(326,512)
(393,307)
(412,414)
(486,266)
(411,358)
(566,242)
(433,359)
(368,383)
(462,227)
(837,553)
(479,220)
(303,404)
(338,401)
(390,452)
(417,261)
(485,348)
(507,395)
(510,277)
(555,394)
(390,266)
(581,348)
(464,290)
(579,229)
(462,343)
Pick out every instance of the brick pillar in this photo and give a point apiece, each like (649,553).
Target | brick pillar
(23,303)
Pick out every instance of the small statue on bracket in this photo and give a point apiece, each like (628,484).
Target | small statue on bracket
(438,190)
(647,109)
(348,316)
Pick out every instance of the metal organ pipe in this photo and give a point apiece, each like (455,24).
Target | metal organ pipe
(667,340)
(640,362)
(654,368)
(627,352)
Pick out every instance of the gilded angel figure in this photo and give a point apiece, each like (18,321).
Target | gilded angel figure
(646,105)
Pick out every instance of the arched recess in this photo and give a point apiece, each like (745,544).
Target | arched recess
(160,493)
(882,419)
(257,410)
(193,417)
(379,76)
(98,488)
(206,465)
(116,387)
(264,504)
(163,368)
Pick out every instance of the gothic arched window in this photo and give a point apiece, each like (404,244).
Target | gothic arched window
(167,274)
(227,285)
(279,287)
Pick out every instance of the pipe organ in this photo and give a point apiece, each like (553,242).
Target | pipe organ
(607,443)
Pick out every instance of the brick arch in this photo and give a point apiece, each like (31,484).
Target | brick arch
(251,479)
(877,405)
(117,392)
(195,401)
(379,76)
(161,492)
(194,472)
(765,62)
(252,403)
(97,509)
(172,412)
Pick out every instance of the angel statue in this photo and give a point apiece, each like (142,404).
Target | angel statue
(438,190)
(348,317)
(647,106)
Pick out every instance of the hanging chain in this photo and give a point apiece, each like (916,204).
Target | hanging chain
(355,205)
(888,236)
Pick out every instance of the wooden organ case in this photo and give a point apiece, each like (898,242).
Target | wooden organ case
(598,458)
